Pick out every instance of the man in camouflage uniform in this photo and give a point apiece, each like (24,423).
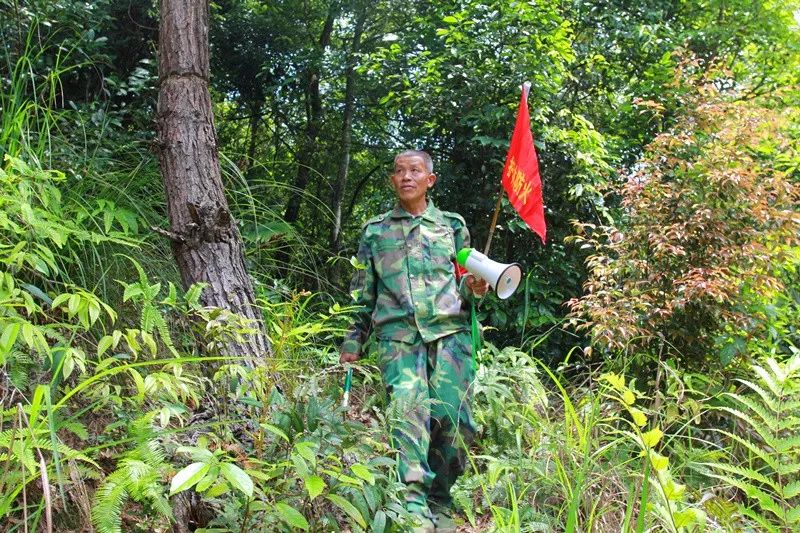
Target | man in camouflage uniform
(408,293)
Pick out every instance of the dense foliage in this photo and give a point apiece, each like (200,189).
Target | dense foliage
(645,377)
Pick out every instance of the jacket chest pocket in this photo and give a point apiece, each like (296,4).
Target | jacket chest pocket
(389,256)
(440,244)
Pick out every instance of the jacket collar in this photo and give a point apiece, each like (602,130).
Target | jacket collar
(430,213)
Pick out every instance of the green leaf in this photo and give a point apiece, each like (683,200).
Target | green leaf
(94,312)
(36,404)
(208,479)
(639,417)
(616,381)
(652,437)
(73,304)
(275,431)
(379,522)
(688,517)
(364,473)
(131,291)
(104,344)
(60,299)
(307,450)
(9,337)
(187,477)
(138,380)
(197,453)
(314,485)
(674,491)
(238,478)
(291,516)
(349,509)
(218,490)
(791,490)
(628,397)
(658,461)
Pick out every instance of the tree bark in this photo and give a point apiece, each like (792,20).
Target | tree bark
(205,240)
(347,130)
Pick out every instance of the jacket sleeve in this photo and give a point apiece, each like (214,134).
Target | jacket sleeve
(363,291)
(462,240)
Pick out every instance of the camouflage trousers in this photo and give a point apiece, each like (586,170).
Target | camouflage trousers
(429,388)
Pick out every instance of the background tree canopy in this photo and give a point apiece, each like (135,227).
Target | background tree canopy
(667,134)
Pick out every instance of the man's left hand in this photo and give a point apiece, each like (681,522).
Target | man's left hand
(478,286)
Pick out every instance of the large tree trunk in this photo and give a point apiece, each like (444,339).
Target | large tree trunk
(205,240)
(347,130)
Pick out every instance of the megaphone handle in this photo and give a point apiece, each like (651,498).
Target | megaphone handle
(348,380)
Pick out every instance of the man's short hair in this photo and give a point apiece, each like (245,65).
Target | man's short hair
(417,153)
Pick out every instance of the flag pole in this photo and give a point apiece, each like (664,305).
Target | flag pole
(493,224)
(526,87)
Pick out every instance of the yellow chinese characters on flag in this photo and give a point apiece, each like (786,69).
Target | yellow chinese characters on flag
(521,178)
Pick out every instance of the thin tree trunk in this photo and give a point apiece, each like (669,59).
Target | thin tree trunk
(313,122)
(205,240)
(255,120)
(347,130)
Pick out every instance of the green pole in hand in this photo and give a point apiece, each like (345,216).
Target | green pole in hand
(348,381)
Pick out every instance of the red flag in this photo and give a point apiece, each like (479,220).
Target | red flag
(521,174)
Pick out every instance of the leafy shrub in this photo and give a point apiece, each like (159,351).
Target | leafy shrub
(710,216)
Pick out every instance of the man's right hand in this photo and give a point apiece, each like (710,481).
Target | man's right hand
(348,357)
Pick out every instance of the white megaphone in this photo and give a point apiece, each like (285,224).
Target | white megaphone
(503,278)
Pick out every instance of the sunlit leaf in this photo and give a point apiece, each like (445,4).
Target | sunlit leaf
(187,477)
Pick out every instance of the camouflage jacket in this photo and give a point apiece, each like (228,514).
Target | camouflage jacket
(406,280)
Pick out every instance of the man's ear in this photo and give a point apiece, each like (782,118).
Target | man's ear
(431,180)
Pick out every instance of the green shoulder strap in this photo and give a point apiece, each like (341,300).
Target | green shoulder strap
(476,335)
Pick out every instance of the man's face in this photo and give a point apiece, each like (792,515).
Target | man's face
(411,179)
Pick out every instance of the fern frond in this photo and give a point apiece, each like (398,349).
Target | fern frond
(778,371)
(785,469)
(763,431)
(765,525)
(769,398)
(160,504)
(163,332)
(791,406)
(768,471)
(107,508)
(774,385)
(138,477)
(148,318)
(78,429)
(136,470)
(762,454)
(768,417)
(765,501)
(787,444)
(746,473)
(791,490)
